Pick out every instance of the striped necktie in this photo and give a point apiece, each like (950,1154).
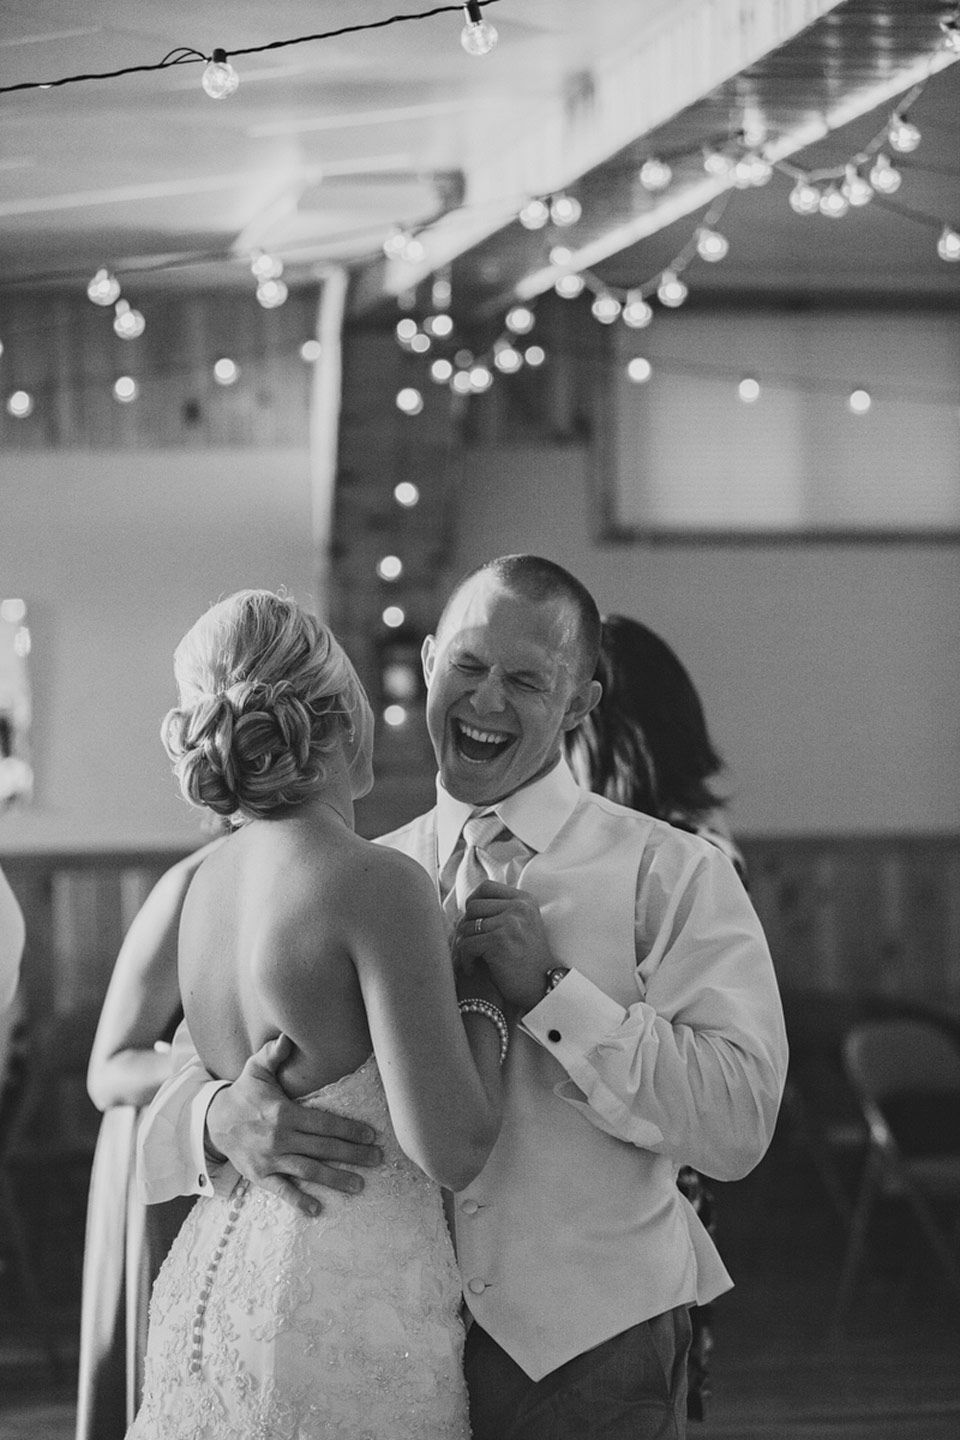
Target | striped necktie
(478,832)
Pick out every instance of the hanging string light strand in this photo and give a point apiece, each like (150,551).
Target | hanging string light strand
(185,55)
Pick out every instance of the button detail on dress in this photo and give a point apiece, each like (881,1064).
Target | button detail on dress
(476,1287)
(470,1207)
(553,1035)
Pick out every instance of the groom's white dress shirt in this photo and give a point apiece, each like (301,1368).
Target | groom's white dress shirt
(663,1046)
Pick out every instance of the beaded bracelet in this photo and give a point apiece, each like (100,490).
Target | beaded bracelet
(493,1013)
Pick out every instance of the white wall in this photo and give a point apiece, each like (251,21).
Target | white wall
(830,673)
(116,554)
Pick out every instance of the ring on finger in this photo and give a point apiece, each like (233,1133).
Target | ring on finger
(478,926)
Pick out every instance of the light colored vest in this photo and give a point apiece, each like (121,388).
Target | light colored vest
(569,1236)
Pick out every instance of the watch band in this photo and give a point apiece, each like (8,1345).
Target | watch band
(554,977)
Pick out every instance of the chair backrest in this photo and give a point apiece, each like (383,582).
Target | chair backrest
(901,1057)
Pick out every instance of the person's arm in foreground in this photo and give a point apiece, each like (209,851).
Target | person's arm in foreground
(126,1067)
(695,1068)
(12,936)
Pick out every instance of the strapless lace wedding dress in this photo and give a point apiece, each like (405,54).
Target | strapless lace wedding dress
(267,1325)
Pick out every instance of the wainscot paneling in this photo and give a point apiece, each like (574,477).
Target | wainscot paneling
(873,915)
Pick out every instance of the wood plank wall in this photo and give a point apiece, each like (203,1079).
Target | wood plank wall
(62,350)
(868,914)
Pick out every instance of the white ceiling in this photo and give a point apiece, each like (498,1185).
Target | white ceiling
(328,143)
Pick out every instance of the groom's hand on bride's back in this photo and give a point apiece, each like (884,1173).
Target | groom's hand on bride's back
(293,1150)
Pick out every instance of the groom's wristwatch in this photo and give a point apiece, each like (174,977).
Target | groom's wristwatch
(554,977)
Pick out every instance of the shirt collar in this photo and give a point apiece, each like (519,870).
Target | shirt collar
(534,813)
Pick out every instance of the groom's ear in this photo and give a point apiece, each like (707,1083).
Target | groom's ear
(582,701)
(428,657)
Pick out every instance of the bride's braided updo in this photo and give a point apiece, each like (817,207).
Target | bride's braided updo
(266,693)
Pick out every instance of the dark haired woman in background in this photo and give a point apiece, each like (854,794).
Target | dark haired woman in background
(646,745)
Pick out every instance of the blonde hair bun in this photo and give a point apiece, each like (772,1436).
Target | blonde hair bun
(266,693)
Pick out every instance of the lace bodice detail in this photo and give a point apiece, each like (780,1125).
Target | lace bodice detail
(269,1325)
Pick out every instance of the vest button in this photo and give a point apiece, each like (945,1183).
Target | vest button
(477,1287)
(470,1207)
(553,1035)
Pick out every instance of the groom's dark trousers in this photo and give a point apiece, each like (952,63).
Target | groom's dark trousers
(632,1387)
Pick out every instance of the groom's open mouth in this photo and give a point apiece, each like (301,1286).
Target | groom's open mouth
(476,744)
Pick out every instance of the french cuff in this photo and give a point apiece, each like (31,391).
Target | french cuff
(573,1018)
(575,1022)
(212,1177)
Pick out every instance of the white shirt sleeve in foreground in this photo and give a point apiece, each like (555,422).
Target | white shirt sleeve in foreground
(695,1068)
(170,1155)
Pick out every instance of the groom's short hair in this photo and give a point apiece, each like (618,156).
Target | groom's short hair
(538,579)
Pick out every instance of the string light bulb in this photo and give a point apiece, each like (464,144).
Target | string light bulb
(534,214)
(948,246)
(639,370)
(390,567)
(20,404)
(606,308)
(859,402)
(671,291)
(655,174)
(568,287)
(833,203)
(748,390)
(711,245)
(128,323)
(406,329)
(519,320)
(805,197)
(410,402)
(406,493)
(125,389)
(104,288)
(565,210)
(394,242)
(219,77)
(857,190)
(440,372)
(535,355)
(441,292)
(637,314)
(478,36)
(439,325)
(265,267)
(884,177)
(480,378)
(226,371)
(902,134)
(717,162)
(271,293)
(401,245)
(507,359)
(752,169)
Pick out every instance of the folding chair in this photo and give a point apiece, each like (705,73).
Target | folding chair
(906,1076)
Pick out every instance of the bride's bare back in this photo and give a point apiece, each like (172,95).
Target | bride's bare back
(266,944)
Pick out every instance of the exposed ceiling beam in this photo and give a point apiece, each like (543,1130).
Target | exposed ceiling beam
(688,51)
